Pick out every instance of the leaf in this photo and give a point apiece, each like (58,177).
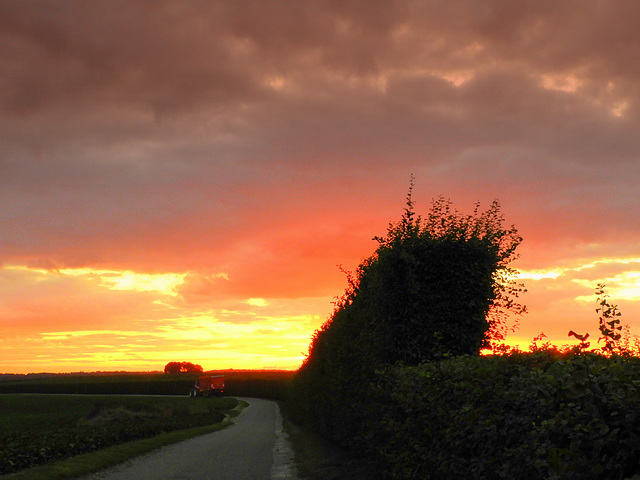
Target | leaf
(578,336)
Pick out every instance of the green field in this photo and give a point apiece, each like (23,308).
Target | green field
(249,383)
(37,429)
(45,418)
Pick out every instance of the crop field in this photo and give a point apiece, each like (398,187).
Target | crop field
(37,428)
(248,383)
(49,417)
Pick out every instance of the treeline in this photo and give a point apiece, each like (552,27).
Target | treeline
(249,383)
(395,374)
(182,367)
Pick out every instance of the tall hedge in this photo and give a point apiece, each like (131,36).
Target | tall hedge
(525,416)
(435,287)
(395,372)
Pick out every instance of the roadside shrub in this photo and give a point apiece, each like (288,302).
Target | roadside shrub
(525,416)
(434,287)
(395,373)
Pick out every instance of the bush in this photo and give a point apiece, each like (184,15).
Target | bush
(433,288)
(182,367)
(395,373)
(525,416)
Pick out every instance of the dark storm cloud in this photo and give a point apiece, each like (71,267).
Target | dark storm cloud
(352,74)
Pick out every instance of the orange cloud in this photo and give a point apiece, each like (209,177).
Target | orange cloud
(160,165)
(129,320)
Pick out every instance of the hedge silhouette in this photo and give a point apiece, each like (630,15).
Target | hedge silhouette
(435,287)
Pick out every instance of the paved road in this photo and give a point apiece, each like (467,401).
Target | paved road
(254,448)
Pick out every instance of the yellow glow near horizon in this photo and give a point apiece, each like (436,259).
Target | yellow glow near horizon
(258,302)
(540,274)
(153,324)
(625,286)
(237,339)
(85,333)
(165,283)
(629,278)
(621,261)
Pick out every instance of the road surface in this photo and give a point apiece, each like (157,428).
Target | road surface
(254,448)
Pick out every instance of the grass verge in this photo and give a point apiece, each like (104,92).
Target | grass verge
(319,459)
(88,463)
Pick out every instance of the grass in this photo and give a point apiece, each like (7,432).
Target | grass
(100,383)
(38,415)
(94,461)
(42,414)
(319,459)
(61,436)
(248,383)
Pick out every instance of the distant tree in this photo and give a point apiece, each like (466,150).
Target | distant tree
(182,367)
(172,367)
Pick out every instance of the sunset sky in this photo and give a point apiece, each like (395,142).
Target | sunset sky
(180,179)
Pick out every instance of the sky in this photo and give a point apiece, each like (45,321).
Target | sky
(180,180)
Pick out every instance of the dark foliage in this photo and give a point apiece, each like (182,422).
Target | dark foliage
(526,416)
(40,429)
(435,287)
(60,426)
(139,384)
(247,383)
(182,367)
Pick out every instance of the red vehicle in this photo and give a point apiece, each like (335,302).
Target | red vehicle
(207,386)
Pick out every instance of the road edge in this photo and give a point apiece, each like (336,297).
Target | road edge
(284,463)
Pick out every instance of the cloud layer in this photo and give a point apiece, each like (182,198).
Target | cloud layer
(252,146)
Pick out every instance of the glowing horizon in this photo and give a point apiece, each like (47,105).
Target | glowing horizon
(180,184)
(255,334)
